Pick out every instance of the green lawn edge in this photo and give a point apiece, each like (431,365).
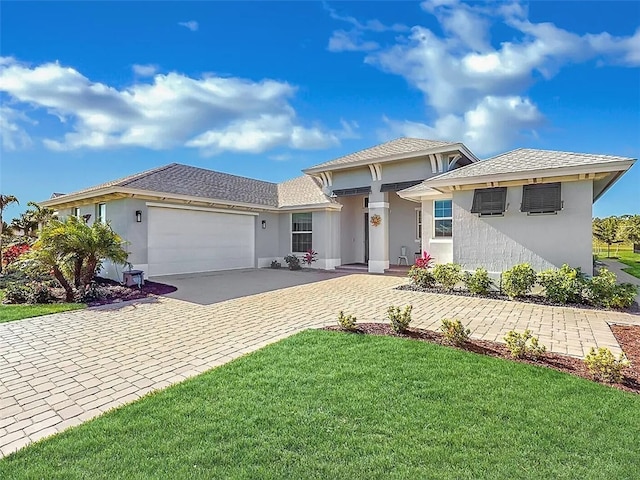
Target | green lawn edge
(333,405)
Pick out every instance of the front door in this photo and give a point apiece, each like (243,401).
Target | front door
(366,238)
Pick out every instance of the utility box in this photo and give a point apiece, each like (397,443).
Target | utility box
(133,278)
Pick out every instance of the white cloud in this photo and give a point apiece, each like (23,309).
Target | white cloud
(191,25)
(145,70)
(342,41)
(371,25)
(212,113)
(477,91)
(12,134)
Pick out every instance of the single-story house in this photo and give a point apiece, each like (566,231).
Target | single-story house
(370,207)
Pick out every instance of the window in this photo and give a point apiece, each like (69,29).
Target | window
(489,201)
(366,202)
(541,198)
(442,218)
(101,213)
(418,224)
(75,212)
(301,232)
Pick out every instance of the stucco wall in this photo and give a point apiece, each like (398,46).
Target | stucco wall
(544,241)
(267,239)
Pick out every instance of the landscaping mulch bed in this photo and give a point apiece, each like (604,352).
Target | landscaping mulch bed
(628,337)
(110,291)
(532,298)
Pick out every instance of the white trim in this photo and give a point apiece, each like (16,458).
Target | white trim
(432,159)
(378,266)
(418,224)
(378,169)
(200,209)
(291,232)
(440,161)
(378,204)
(329,178)
(373,173)
(441,240)
(442,218)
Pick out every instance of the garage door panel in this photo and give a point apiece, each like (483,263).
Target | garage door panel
(185,241)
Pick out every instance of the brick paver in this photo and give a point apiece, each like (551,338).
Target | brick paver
(60,370)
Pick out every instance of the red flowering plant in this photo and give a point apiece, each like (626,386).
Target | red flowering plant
(425,261)
(310,257)
(13,252)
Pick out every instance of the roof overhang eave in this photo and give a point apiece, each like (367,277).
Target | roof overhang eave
(619,166)
(123,192)
(390,158)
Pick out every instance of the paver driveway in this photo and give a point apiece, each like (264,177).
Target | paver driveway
(59,370)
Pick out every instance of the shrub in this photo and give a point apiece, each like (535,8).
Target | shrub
(310,257)
(293,262)
(17,293)
(399,319)
(604,366)
(518,281)
(564,285)
(478,282)
(347,322)
(422,277)
(603,291)
(424,261)
(13,252)
(447,274)
(275,264)
(454,332)
(523,345)
(40,293)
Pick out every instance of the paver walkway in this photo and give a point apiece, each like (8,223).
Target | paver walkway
(62,369)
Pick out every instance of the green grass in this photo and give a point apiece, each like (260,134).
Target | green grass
(626,256)
(331,405)
(9,313)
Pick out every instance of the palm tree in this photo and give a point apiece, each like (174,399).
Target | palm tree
(25,223)
(74,251)
(5,200)
(39,214)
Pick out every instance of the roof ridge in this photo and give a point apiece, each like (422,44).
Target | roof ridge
(223,173)
(123,182)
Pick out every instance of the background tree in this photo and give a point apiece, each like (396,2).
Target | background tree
(631,230)
(5,200)
(607,231)
(38,214)
(75,251)
(25,223)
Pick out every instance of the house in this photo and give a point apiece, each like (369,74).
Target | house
(401,197)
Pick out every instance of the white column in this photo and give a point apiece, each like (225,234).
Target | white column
(379,236)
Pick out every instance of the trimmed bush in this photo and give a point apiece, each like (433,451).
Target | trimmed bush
(564,285)
(522,345)
(519,280)
(454,332)
(346,322)
(293,262)
(422,277)
(17,293)
(399,319)
(478,282)
(40,294)
(448,275)
(604,366)
(603,291)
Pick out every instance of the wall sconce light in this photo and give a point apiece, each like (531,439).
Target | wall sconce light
(86,217)
(264,224)
(138,216)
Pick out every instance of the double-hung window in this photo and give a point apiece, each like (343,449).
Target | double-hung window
(442,218)
(75,212)
(301,232)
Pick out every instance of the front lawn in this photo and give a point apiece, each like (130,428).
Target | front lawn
(9,313)
(625,255)
(333,405)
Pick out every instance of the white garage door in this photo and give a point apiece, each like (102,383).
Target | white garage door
(187,241)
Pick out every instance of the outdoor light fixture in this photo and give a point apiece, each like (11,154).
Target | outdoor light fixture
(138,216)
(264,224)
(86,217)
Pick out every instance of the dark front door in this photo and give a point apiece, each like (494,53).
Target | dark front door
(366,238)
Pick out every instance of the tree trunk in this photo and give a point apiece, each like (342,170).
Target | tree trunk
(90,272)
(77,272)
(68,290)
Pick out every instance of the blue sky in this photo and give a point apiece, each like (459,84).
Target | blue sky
(93,91)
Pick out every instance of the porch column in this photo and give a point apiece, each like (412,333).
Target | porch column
(379,235)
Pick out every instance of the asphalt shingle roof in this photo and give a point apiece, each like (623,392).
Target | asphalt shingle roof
(394,147)
(525,160)
(199,182)
(305,190)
